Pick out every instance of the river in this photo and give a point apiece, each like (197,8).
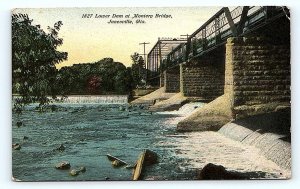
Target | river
(89,132)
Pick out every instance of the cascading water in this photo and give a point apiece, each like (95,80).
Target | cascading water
(185,109)
(272,147)
(99,99)
(92,99)
(262,134)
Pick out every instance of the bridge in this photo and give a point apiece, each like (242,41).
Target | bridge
(241,21)
(239,62)
(241,52)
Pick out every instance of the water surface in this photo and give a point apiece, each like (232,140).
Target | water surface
(89,132)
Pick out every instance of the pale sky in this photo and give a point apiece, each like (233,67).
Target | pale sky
(91,39)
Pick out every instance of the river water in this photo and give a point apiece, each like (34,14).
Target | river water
(89,132)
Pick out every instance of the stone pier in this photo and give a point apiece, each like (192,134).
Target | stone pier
(203,77)
(257,81)
(257,76)
(171,79)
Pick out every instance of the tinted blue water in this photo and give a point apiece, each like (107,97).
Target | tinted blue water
(89,132)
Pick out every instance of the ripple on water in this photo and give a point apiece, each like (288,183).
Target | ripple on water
(88,135)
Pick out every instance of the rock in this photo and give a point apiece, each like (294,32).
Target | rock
(63,165)
(53,108)
(150,157)
(107,178)
(16,146)
(74,172)
(218,172)
(82,169)
(61,148)
(147,157)
(25,138)
(121,108)
(19,123)
(116,163)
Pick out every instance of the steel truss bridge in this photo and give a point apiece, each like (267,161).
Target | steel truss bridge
(238,22)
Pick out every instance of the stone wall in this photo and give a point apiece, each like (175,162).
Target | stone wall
(171,80)
(162,79)
(203,77)
(257,75)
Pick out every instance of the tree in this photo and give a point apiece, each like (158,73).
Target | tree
(138,68)
(94,83)
(34,55)
(135,58)
(102,77)
(141,62)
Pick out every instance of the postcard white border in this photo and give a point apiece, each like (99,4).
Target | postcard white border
(5,95)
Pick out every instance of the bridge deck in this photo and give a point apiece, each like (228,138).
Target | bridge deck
(240,21)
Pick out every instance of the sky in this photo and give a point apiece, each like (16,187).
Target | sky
(91,39)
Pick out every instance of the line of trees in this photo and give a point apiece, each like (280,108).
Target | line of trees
(101,77)
(35,77)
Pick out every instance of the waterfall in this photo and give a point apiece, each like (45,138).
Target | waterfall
(272,145)
(190,107)
(96,99)
(89,99)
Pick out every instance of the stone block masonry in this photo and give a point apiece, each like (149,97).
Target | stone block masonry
(257,75)
(257,81)
(162,79)
(171,80)
(203,77)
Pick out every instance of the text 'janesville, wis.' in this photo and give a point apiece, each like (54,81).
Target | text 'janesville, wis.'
(127,18)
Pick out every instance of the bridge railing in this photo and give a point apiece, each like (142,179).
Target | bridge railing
(157,58)
(214,32)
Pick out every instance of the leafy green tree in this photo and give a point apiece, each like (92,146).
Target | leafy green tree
(142,70)
(141,62)
(34,55)
(101,77)
(135,58)
(138,68)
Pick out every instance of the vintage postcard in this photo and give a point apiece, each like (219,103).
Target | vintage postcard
(164,93)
